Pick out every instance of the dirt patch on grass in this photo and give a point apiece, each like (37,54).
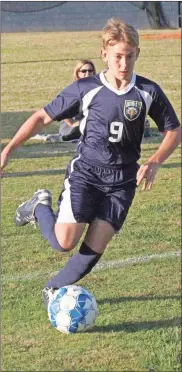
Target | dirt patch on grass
(168,35)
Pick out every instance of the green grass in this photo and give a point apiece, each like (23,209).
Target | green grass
(138,327)
(36,66)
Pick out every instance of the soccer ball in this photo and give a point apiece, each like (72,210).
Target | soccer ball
(72,309)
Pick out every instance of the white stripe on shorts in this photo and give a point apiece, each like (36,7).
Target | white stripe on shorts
(65,214)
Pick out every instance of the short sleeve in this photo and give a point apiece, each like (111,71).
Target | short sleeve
(162,112)
(66,105)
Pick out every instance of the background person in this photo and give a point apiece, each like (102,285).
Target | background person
(69,128)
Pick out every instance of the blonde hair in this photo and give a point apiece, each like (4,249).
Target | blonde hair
(116,30)
(78,66)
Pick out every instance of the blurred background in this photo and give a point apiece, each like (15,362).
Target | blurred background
(22,16)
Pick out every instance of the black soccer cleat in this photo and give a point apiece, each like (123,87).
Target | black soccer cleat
(47,294)
(25,212)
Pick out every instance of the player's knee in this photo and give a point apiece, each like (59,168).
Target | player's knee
(66,244)
(57,247)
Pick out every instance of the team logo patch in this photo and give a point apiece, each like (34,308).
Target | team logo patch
(132,109)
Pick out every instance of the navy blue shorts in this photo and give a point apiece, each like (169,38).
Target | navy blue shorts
(91,191)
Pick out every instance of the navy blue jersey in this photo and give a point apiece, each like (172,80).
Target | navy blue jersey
(112,123)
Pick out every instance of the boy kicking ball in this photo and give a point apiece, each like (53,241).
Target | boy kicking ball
(101,179)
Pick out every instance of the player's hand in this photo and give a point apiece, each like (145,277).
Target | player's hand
(147,172)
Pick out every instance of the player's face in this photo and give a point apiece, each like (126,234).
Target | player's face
(86,70)
(121,59)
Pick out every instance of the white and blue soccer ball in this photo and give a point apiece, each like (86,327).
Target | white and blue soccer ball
(72,309)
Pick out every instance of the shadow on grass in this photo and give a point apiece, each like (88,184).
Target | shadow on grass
(120,300)
(35,173)
(151,149)
(132,327)
(41,153)
(69,59)
(171,165)
(45,61)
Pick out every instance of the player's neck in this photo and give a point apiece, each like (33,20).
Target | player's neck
(116,83)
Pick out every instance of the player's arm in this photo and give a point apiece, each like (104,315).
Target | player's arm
(31,126)
(163,114)
(149,169)
(65,105)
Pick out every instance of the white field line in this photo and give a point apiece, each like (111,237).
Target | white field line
(100,266)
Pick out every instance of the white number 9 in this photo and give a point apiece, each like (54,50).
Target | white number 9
(116,129)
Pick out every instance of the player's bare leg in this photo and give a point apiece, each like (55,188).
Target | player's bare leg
(69,234)
(98,235)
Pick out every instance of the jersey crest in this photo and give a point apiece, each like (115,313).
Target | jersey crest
(132,109)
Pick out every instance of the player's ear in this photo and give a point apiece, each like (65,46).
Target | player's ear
(104,54)
(137,53)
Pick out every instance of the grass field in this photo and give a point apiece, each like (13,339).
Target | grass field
(138,327)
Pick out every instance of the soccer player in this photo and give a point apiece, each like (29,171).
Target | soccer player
(101,179)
